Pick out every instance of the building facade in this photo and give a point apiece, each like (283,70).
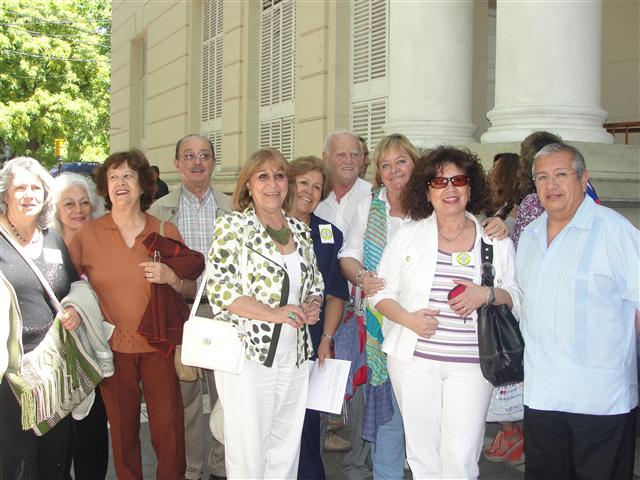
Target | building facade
(285,73)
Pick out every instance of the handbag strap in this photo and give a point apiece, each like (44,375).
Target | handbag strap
(45,284)
(488,272)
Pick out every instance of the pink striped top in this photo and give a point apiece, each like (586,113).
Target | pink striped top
(455,339)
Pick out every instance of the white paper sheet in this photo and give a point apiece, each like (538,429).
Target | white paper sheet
(327,385)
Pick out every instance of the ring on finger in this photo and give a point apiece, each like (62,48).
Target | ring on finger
(291,316)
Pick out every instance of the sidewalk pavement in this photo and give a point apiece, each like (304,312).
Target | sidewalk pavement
(332,461)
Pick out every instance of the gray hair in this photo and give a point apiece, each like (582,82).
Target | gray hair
(32,166)
(339,133)
(577,159)
(67,180)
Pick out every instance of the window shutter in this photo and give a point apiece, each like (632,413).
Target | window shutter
(212,43)
(378,39)
(277,75)
(368,120)
(369,85)
(265,57)
(287,67)
(279,134)
(378,119)
(216,139)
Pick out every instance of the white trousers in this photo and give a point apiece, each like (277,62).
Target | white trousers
(443,408)
(263,416)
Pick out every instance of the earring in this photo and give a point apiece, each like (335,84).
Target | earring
(249,193)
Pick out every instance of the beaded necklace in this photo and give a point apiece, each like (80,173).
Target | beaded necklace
(280,236)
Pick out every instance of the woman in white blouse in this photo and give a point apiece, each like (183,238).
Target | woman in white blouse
(431,342)
(376,221)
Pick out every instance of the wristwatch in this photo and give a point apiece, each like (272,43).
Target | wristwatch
(491,296)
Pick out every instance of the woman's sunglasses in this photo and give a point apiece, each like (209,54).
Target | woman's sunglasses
(456,181)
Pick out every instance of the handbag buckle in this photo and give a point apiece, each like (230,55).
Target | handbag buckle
(156,256)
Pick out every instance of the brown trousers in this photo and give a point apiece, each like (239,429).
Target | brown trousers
(122,398)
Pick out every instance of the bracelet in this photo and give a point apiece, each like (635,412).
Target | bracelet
(180,287)
(325,335)
(359,275)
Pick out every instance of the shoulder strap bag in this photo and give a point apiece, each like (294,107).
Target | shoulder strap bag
(211,343)
(500,342)
(58,374)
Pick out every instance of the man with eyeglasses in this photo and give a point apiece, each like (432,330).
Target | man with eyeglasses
(578,267)
(193,208)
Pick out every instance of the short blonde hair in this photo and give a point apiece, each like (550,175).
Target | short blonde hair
(395,141)
(241,198)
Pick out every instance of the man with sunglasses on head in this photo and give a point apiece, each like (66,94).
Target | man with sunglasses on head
(578,267)
(193,208)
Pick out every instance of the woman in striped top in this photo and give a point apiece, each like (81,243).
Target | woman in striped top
(430,340)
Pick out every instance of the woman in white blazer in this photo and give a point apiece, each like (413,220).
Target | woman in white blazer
(431,341)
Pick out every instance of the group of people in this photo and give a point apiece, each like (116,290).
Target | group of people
(300,250)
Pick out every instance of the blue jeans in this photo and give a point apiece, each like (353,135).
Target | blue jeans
(388,452)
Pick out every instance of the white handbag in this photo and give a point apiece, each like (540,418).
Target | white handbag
(214,344)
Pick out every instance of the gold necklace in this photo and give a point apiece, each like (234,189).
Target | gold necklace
(452,239)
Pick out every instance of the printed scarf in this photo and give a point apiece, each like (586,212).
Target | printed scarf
(379,395)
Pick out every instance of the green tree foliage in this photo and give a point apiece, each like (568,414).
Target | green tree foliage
(54,77)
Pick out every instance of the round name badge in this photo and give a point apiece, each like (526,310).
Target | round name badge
(463,258)
(326,233)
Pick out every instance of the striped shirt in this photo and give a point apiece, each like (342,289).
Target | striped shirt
(455,339)
(195,219)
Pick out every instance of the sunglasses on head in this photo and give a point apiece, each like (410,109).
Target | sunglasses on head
(442,182)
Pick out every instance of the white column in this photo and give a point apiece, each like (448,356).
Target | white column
(430,71)
(548,61)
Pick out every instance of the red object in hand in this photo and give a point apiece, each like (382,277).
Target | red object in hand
(455,291)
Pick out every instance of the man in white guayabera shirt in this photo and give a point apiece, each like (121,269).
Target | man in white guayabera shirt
(193,208)
(578,265)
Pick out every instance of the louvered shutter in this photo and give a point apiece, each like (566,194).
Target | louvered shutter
(279,134)
(368,119)
(211,94)
(216,140)
(369,83)
(277,75)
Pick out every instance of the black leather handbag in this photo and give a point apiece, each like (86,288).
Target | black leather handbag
(500,342)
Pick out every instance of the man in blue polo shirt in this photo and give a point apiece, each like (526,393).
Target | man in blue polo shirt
(578,266)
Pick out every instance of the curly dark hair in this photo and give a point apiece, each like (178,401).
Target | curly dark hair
(414,197)
(531,145)
(136,160)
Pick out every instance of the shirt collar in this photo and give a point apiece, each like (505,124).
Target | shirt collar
(582,219)
(192,199)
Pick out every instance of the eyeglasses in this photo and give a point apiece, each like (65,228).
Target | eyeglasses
(442,182)
(559,177)
(202,156)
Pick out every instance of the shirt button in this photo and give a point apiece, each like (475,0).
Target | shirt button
(408,259)
(499,281)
